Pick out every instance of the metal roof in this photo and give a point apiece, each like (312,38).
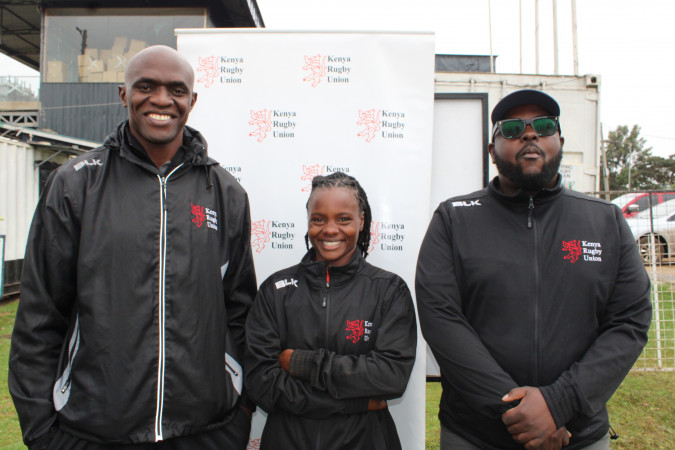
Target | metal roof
(46,140)
(20,19)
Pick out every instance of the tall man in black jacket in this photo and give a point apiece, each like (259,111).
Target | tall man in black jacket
(137,281)
(532,297)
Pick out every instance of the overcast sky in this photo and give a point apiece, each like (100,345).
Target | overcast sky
(630,44)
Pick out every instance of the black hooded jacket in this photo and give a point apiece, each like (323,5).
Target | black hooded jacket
(136,286)
(354,337)
(547,291)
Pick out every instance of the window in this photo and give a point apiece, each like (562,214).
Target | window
(94,46)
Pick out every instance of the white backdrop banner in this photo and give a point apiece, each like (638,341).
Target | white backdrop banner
(278,108)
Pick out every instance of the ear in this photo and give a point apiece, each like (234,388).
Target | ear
(562,142)
(194,100)
(491,151)
(122,91)
(363,219)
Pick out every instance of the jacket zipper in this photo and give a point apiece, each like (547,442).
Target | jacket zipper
(326,292)
(326,305)
(532,224)
(162,284)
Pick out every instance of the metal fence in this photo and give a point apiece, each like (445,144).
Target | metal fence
(651,218)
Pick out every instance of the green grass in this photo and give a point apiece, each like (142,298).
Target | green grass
(642,411)
(10,434)
(649,357)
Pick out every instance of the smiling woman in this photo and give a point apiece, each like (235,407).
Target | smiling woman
(327,381)
(335,221)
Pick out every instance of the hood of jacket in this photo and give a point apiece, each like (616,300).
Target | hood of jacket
(194,147)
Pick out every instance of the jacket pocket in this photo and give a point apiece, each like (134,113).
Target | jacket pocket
(61,391)
(234,371)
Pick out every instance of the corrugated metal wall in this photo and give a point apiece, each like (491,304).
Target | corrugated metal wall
(19,192)
(18,195)
(83,110)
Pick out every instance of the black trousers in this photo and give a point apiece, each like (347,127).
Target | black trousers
(232,436)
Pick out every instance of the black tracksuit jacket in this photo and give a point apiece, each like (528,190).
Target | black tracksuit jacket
(548,291)
(136,286)
(354,337)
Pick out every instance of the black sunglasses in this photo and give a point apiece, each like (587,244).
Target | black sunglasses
(514,128)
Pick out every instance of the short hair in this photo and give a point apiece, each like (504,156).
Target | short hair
(342,180)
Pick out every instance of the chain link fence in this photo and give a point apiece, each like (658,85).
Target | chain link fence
(651,217)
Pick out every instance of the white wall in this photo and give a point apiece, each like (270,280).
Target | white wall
(579,118)
(18,195)
(19,192)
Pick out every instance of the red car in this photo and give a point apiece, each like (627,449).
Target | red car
(635,202)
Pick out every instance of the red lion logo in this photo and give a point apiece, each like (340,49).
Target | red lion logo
(262,120)
(253,444)
(209,68)
(574,249)
(371,120)
(199,216)
(356,327)
(374,235)
(260,235)
(308,173)
(317,69)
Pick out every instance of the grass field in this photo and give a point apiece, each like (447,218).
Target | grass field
(10,434)
(649,358)
(642,411)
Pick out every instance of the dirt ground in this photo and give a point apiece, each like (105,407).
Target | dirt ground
(665,273)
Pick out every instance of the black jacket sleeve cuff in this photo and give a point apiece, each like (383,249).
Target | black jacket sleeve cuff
(561,400)
(301,364)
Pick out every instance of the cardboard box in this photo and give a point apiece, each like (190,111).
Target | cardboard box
(120,45)
(110,76)
(56,71)
(91,53)
(104,55)
(117,63)
(93,78)
(136,46)
(93,66)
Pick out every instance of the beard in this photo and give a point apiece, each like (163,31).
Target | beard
(529,182)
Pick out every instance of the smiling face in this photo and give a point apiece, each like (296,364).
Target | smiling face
(335,221)
(158,95)
(529,162)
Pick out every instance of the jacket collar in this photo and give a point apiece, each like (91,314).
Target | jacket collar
(193,150)
(338,274)
(520,197)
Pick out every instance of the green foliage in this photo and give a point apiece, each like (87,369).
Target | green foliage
(631,165)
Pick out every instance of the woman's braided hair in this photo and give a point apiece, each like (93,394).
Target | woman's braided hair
(339,179)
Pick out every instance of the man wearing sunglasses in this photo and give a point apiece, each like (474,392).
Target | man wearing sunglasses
(532,297)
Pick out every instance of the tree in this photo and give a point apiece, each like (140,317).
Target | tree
(631,165)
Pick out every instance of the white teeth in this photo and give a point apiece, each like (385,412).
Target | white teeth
(331,244)
(159,116)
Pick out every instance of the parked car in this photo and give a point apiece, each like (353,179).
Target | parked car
(636,202)
(659,226)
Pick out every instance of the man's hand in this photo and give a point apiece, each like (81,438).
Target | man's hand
(285,359)
(376,405)
(530,423)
